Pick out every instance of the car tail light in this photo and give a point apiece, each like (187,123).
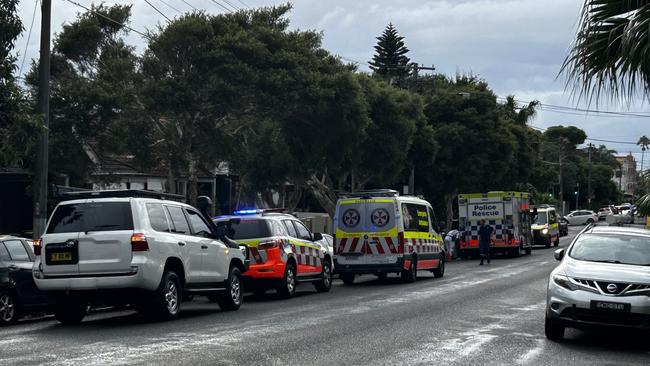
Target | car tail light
(400,242)
(270,244)
(37,246)
(139,243)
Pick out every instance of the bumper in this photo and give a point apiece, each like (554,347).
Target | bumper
(396,267)
(146,277)
(573,309)
(540,239)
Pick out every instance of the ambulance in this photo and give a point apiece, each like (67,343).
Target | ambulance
(507,212)
(545,225)
(380,232)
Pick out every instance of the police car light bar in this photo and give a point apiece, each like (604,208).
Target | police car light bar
(258,211)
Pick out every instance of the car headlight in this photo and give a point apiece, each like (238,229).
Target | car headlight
(563,281)
(545,231)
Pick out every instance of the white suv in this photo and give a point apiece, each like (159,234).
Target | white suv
(125,247)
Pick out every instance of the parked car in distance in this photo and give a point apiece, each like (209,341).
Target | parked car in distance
(18,293)
(581,217)
(564,227)
(604,212)
(603,280)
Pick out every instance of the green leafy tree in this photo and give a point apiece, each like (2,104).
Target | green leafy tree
(390,58)
(92,90)
(17,125)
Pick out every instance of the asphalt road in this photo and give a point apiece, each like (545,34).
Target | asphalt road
(488,315)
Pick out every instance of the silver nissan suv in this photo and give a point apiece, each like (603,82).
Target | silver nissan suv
(134,247)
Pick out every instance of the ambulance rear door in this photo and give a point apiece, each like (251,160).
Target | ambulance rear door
(366,231)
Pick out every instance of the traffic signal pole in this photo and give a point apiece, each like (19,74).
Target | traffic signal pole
(40,182)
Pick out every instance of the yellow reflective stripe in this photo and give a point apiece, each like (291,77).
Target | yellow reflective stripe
(422,214)
(301,244)
(423,223)
(250,243)
(365,201)
(342,234)
(417,235)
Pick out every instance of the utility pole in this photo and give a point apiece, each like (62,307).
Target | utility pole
(560,156)
(415,73)
(589,180)
(40,183)
(577,193)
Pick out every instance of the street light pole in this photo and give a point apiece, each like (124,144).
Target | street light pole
(40,183)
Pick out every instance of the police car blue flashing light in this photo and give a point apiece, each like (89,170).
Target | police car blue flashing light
(247,212)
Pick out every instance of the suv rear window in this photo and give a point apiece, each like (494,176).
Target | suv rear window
(92,216)
(250,228)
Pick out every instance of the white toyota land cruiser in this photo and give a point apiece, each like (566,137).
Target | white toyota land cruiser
(138,248)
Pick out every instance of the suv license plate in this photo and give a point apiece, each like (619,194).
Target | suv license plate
(611,306)
(61,257)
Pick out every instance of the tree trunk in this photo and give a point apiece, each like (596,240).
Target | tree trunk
(171,177)
(295,198)
(323,193)
(449,202)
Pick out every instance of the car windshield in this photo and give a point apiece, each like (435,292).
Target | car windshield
(610,248)
(249,229)
(540,219)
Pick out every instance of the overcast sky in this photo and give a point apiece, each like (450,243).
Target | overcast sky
(517,46)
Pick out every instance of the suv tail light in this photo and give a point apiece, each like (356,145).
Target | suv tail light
(139,243)
(37,246)
(269,244)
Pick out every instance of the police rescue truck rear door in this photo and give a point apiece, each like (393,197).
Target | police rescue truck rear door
(367,232)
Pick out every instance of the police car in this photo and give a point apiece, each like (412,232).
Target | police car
(283,251)
(380,232)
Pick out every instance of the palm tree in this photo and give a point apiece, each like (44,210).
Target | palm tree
(611,53)
(644,141)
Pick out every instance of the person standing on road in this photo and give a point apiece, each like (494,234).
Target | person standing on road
(484,239)
(450,243)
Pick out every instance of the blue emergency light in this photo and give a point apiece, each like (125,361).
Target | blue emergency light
(247,212)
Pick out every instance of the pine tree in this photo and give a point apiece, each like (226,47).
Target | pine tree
(390,58)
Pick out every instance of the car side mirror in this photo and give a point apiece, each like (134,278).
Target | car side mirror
(559,254)
(317,237)
(221,231)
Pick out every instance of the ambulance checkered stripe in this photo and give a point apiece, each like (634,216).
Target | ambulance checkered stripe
(307,256)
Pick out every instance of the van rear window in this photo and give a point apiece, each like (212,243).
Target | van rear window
(92,216)
(249,229)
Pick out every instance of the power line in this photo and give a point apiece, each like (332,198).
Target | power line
(159,12)
(229,3)
(107,18)
(29,36)
(166,3)
(222,6)
(190,5)
(243,3)
(613,142)
(560,109)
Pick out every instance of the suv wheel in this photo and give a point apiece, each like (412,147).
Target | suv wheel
(8,308)
(440,271)
(411,274)
(554,332)
(288,286)
(167,298)
(232,298)
(325,283)
(71,311)
(347,278)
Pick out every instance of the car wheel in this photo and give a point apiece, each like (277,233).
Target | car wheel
(167,298)
(410,275)
(232,298)
(288,287)
(553,331)
(8,308)
(347,278)
(71,312)
(325,283)
(440,271)
(528,250)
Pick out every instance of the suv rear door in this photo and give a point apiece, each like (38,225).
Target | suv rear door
(60,253)
(105,238)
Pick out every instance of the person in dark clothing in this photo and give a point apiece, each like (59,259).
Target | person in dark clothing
(484,239)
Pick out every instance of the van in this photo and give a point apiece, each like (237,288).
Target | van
(380,232)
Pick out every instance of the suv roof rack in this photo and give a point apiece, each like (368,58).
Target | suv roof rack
(141,193)
(371,193)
